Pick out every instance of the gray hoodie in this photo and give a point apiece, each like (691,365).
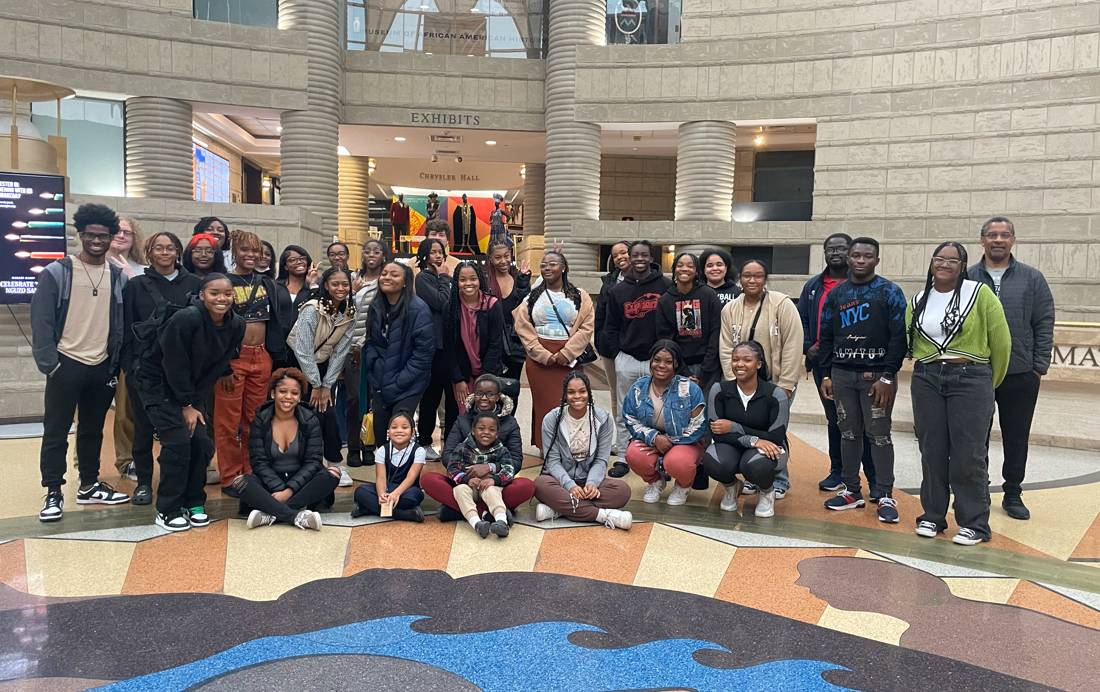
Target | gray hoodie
(558,461)
(1029,309)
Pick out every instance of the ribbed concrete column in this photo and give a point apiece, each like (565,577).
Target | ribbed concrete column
(310,137)
(354,211)
(534,199)
(704,171)
(572,148)
(158,148)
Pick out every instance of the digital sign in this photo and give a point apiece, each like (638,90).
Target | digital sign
(32,216)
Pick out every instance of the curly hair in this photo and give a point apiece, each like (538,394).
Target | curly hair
(96,215)
(287,374)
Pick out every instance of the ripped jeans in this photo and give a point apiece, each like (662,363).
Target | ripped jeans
(857,417)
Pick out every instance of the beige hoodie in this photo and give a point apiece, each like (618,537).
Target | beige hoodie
(779,332)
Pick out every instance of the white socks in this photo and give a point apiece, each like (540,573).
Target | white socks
(503,518)
(473,520)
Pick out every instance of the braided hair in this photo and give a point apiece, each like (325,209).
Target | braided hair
(952,316)
(756,348)
(570,291)
(329,305)
(494,286)
(699,278)
(569,377)
(454,314)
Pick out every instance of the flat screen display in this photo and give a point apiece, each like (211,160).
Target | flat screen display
(211,176)
(32,216)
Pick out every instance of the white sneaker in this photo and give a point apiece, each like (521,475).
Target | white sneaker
(256,518)
(430,454)
(678,496)
(749,489)
(781,493)
(345,478)
(927,529)
(618,519)
(765,506)
(308,520)
(729,498)
(653,491)
(544,513)
(176,522)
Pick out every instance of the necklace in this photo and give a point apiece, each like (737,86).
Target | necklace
(95,285)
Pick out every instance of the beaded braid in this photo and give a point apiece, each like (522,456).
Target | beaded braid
(953,313)
(575,375)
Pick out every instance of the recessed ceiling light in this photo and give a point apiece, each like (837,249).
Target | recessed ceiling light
(490,142)
(399,139)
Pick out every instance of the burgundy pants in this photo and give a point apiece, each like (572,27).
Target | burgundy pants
(441,489)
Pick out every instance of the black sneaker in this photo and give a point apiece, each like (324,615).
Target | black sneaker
(618,469)
(415,515)
(355,458)
(482,528)
(143,495)
(1014,507)
(448,514)
(499,529)
(830,483)
(101,494)
(198,516)
(888,510)
(175,522)
(53,507)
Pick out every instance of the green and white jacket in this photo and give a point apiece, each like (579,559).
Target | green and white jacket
(981,335)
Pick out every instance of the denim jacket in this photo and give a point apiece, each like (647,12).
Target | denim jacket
(681,398)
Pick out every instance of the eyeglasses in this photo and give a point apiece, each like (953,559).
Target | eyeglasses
(946,262)
(486,395)
(295,260)
(203,251)
(128,234)
(163,249)
(338,253)
(753,277)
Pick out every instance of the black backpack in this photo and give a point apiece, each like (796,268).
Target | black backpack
(149,330)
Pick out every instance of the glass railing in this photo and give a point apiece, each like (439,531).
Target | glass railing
(483,28)
(246,12)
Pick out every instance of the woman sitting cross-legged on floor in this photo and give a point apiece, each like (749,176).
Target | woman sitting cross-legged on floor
(285,448)
(487,397)
(665,415)
(397,467)
(578,436)
(748,421)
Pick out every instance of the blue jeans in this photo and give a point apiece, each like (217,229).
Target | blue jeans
(366,496)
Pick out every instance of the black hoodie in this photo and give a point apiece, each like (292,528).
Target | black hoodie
(139,302)
(728,292)
(631,326)
(693,320)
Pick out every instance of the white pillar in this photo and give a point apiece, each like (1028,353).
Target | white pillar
(158,148)
(704,171)
(572,148)
(309,162)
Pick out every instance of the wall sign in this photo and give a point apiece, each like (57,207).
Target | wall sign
(444,118)
(449,177)
(1076,356)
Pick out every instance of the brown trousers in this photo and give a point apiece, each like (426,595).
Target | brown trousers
(614,494)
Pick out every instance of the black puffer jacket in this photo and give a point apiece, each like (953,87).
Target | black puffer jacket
(286,473)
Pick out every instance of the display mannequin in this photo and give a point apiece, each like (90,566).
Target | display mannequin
(497,230)
(399,220)
(464,224)
(433,205)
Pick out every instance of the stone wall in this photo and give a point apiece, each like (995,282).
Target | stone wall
(932,115)
(638,186)
(387,88)
(151,48)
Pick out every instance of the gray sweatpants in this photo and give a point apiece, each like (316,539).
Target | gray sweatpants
(952,409)
(857,418)
(627,372)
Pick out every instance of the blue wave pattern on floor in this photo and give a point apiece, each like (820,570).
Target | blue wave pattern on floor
(532,656)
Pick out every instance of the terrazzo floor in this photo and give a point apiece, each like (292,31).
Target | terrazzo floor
(805,600)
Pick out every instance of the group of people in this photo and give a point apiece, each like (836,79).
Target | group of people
(221,346)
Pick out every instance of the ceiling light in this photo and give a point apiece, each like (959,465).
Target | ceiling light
(490,142)
(758,140)
(399,139)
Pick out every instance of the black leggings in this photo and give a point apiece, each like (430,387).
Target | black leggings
(441,386)
(722,462)
(382,414)
(254,494)
(330,428)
